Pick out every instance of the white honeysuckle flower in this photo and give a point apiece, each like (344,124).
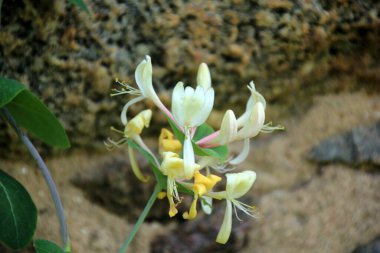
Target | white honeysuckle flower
(254,99)
(143,76)
(191,108)
(238,184)
(203,76)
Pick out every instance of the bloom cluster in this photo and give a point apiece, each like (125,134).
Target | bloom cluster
(192,152)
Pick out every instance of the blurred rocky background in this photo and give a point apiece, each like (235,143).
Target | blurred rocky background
(293,50)
(316,62)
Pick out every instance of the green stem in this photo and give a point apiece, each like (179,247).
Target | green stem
(141,219)
(47,176)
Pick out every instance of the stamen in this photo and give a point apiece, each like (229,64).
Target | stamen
(126,89)
(111,144)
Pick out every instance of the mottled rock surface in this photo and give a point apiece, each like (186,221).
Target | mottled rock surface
(356,147)
(371,247)
(291,49)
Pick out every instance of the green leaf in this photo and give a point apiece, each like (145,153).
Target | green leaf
(202,131)
(32,114)
(220,152)
(9,89)
(177,132)
(18,214)
(45,246)
(80,4)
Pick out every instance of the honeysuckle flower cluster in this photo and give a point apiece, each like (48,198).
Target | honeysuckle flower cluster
(192,157)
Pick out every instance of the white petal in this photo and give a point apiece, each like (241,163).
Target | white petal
(239,183)
(178,98)
(206,204)
(253,125)
(204,110)
(143,76)
(204,77)
(253,99)
(243,154)
(123,115)
(188,157)
(228,129)
(225,229)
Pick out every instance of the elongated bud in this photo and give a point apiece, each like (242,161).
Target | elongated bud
(204,77)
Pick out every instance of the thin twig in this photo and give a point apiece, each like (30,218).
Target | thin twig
(46,174)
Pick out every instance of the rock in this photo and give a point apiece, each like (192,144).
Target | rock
(371,247)
(334,212)
(359,146)
(289,48)
(198,236)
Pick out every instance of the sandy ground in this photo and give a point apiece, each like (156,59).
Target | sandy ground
(304,207)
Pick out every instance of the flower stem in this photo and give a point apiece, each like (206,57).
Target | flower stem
(47,176)
(141,219)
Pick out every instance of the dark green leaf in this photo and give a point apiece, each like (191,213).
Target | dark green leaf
(202,131)
(45,246)
(18,214)
(32,114)
(177,132)
(9,89)
(80,4)
(220,152)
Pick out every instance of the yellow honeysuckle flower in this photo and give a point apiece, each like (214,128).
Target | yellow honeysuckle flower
(202,184)
(167,142)
(173,167)
(136,125)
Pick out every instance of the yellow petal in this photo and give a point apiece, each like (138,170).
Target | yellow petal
(167,142)
(137,124)
(135,168)
(193,210)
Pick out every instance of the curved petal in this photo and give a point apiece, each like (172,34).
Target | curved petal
(253,99)
(239,183)
(135,167)
(123,115)
(253,125)
(243,154)
(206,203)
(143,76)
(228,130)
(225,229)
